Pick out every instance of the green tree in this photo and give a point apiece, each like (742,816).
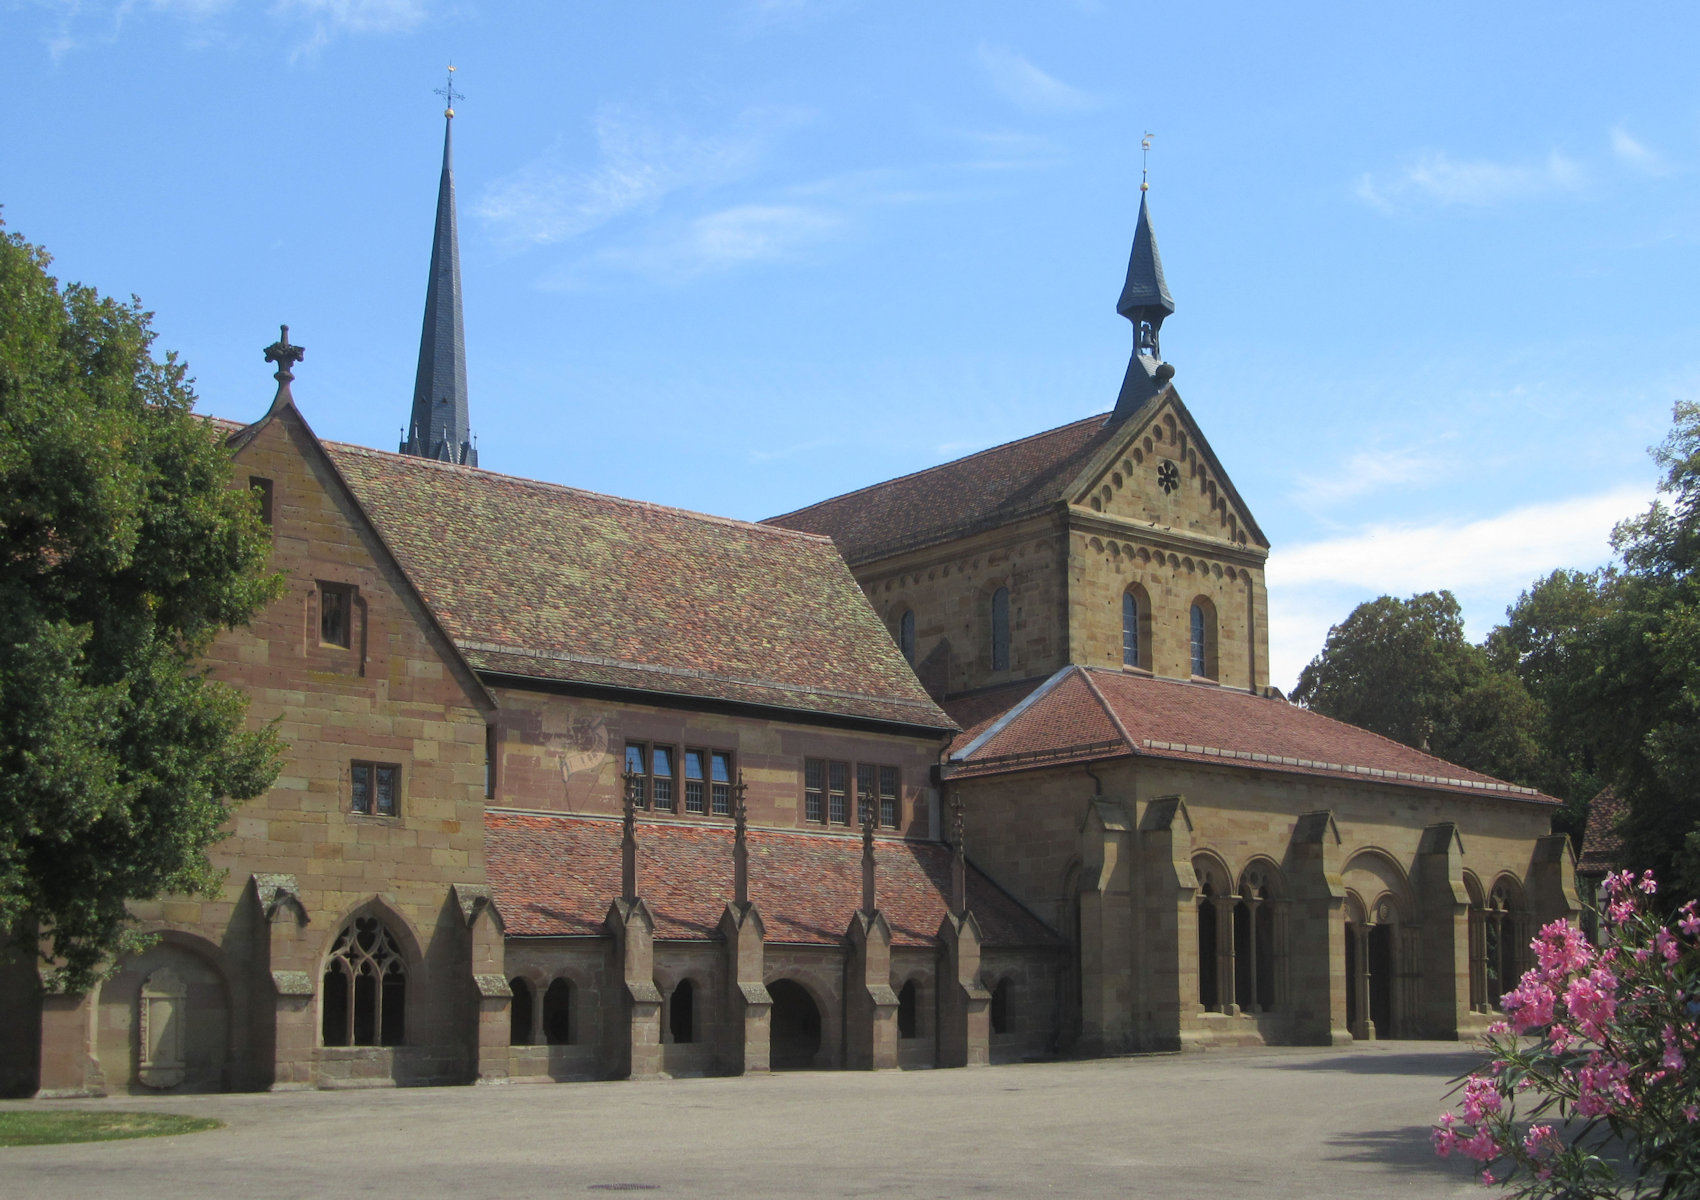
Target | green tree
(123,552)
(1405,670)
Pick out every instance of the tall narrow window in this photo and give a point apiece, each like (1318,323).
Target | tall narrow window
(694,781)
(558,1013)
(888,797)
(661,778)
(838,787)
(262,485)
(336,614)
(1000,630)
(1130,630)
(720,783)
(1203,639)
(906,635)
(636,766)
(490,747)
(814,783)
(866,790)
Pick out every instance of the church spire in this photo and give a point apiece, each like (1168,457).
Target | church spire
(1145,301)
(440,424)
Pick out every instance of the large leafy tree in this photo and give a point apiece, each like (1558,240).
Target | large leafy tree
(1404,669)
(123,552)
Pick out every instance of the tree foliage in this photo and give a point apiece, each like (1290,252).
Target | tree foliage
(123,552)
(1404,669)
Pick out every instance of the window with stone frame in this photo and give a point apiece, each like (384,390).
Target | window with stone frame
(906,635)
(1203,639)
(336,614)
(375,788)
(1136,628)
(1000,629)
(656,768)
(263,486)
(364,1000)
(826,791)
(708,782)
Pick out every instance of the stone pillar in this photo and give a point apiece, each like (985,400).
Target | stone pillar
(1106,928)
(287,1036)
(1551,890)
(1443,906)
(69,1066)
(965,1023)
(1316,932)
(636,1052)
(1251,1003)
(1227,978)
(1364,1030)
(1167,981)
(487,954)
(749,1009)
(870,1004)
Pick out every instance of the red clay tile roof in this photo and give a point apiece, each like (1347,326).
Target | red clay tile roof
(990,488)
(553,583)
(976,710)
(555,876)
(1602,845)
(1087,713)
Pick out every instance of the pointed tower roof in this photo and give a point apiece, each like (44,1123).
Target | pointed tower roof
(1145,287)
(1145,301)
(440,425)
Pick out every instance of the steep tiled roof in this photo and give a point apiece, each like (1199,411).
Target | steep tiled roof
(1602,845)
(990,488)
(976,710)
(1088,713)
(556,875)
(553,583)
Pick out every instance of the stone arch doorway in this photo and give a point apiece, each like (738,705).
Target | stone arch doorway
(165,1021)
(795,1034)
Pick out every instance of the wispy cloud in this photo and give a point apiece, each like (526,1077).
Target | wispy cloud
(1437,178)
(1637,154)
(717,241)
(1028,87)
(639,164)
(86,22)
(1365,473)
(1486,563)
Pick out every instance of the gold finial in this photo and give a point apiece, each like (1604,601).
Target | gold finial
(1144,156)
(447,92)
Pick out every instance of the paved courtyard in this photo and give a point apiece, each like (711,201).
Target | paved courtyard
(1264,1123)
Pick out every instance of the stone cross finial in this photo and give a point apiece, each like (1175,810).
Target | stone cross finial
(628,839)
(285,356)
(740,849)
(867,805)
(958,861)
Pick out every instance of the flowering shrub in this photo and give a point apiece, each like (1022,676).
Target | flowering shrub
(1605,1040)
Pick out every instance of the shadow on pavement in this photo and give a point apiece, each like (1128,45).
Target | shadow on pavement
(1438,1066)
(1408,1148)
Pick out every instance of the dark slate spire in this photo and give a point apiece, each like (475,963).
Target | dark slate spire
(1145,301)
(440,425)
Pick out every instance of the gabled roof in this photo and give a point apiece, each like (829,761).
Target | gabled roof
(993,487)
(548,583)
(1086,713)
(554,876)
(1602,844)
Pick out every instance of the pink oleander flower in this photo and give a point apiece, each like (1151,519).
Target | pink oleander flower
(1529,1005)
(1561,951)
(1542,1140)
(1649,885)
(1690,924)
(1480,1098)
(1690,1113)
(1592,1002)
(1602,1088)
(1621,881)
(1560,1039)
(1480,1146)
(1665,945)
(1672,1060)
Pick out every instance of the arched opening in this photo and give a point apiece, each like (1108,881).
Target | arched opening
(1380,945)
(794,1036)
(520,1012)
(1245,962)
(906,635)
(558,1013)
(365,987)
(907,1006)
(681,1013)
(1136,622)
(1209,991)
(1203,638)
(1000,1014)
(1000,629)
(1502,942)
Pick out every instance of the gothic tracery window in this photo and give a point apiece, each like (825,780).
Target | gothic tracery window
(365,992)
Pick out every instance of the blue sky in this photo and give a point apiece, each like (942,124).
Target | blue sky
(1433,265)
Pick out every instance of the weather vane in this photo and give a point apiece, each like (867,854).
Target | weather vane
(447,92)
(1144,158)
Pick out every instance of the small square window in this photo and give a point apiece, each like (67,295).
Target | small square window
(336,614)
(375,788)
